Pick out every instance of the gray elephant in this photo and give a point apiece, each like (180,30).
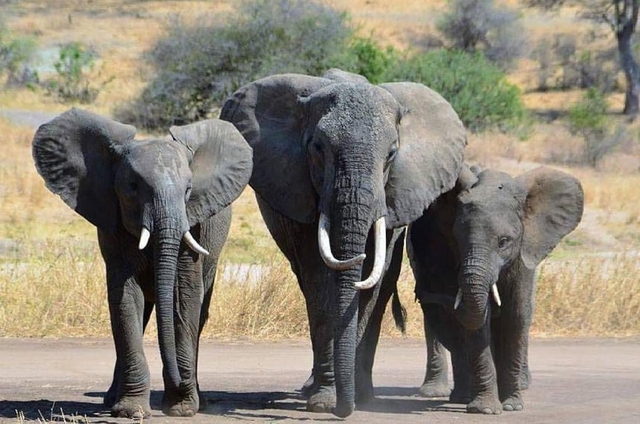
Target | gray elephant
(474,253)
(162,211)
(340,167)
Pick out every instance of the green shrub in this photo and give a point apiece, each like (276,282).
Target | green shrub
(365,57)
(198,65)
(72,82)
(17,56)
(481,25)
(477,89)
(588,118)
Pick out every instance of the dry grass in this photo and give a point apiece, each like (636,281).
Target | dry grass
(590,296)
(51,274)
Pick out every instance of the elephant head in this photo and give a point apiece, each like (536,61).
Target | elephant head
(155,189)
(348,156)
(502,223)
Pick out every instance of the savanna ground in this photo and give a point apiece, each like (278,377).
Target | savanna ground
(51,274)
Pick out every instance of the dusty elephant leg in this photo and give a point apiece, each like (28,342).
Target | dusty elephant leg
(184,401)
(299,243)
(484,388)
(373,303)
(126,306)
(110,396)
(461,392)
(435,382)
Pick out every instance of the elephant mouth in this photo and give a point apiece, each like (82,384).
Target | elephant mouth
(380,234)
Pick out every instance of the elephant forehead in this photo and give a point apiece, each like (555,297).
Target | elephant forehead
(359,111)
(153,157)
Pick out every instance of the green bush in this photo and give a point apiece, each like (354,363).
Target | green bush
(365,57)
(477,89)
(17,56)
(72,82)
(588,118)
(198,65)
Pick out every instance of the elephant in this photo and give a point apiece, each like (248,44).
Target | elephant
(474,253)
(341,166)
(162,212)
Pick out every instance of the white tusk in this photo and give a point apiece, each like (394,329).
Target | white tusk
(380,233)
(193,244)
(325,249)
(496,295)
(458,299)
(144,238)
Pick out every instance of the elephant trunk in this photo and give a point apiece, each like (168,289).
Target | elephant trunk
(352,220)
(475,281)
(166,252)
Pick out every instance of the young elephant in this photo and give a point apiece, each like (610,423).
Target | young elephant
(486,236)
(162,212)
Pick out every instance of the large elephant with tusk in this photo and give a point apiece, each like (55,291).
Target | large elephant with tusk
(340,167)
(474,253)
(162,210)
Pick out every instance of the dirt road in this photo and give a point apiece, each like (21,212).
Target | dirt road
(574,381)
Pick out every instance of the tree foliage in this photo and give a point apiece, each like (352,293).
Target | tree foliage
(477,89)
(197,65)
(481,25)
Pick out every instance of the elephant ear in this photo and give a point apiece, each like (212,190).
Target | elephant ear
(552,209)
(432,142)
(270,116)
(220,162)
(73,153)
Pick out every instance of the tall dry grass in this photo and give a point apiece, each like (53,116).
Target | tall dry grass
(51,274)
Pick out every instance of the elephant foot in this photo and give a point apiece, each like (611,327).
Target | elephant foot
(307,388)
(322,400)
(135,407)
(513,403)
(485,405)
(175,405)
(434,389)
(110,396)
(364,394)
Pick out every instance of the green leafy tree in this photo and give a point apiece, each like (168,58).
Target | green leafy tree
(622,17)
(477,89)
(73,67)
(198,65)
(17,56)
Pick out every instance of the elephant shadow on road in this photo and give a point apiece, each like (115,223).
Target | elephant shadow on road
(242,405)
(44,410)
(404,400)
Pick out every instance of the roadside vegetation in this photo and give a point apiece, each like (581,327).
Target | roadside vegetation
(559,102)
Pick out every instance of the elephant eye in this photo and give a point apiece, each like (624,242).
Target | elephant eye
(392,153)
(187,194)
(503,242)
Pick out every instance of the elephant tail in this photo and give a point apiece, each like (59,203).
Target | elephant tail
(399,312)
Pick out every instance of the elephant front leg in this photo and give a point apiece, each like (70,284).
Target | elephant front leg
(484,388)
(126,306)
(111,394)
(435,382)
(321,393)
(510,360)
